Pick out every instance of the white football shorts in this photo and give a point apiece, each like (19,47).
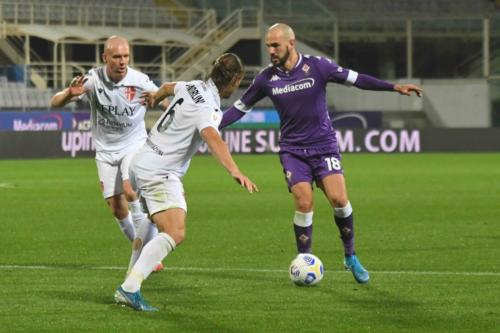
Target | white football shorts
(161,193)
(113,169)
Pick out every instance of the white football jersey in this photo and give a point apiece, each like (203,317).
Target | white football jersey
(116,112)
(175,137)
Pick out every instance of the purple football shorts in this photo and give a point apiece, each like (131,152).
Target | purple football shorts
(308,165)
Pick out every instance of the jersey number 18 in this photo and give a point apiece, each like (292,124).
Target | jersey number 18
(333,163)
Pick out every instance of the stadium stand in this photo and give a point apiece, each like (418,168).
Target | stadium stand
(175,40)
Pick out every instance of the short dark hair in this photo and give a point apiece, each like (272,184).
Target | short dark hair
(225,68)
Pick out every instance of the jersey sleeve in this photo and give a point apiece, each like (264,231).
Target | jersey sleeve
(179,85)
(208,117)
(335,73)
(149,85)
(252,95)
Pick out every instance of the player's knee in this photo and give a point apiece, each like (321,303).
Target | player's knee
(339,201)
(304,205)
(176,231)
(177,234)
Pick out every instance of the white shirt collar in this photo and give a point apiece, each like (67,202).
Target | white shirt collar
(123,82)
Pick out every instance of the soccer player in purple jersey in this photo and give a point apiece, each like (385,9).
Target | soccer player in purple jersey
(296,84)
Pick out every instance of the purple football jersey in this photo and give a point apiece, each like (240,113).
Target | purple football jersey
(299,96)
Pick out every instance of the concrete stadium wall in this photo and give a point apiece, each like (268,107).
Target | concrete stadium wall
(447,103)
(458,103)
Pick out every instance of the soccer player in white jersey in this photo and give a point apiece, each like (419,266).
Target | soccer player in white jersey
(118,127)
(194,116)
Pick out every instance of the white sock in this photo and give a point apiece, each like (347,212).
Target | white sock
(135,206)
(303,219)
(127,227)
(142,237)
(343,212)
(137,213)
(155,251)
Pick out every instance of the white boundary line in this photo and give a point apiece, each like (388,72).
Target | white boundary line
(247,270)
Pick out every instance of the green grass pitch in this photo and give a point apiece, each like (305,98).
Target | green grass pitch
(427,228)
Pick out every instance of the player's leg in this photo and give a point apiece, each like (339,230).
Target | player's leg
(119,207)
(303,218)
(298,177)
(165,201)
(130,189)
(171,224)
(145,230)
(335,190)
(111,186)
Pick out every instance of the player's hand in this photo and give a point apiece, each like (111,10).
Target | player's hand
(407,89)
(245,182)
(76,86)
(148,99)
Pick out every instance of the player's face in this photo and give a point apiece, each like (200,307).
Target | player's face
(278,49)
(116,58)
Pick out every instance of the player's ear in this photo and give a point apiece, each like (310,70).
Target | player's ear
(103,56)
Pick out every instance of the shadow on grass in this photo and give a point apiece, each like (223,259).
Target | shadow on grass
(386,307)
(174,317)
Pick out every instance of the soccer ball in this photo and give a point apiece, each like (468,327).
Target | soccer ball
(306,269)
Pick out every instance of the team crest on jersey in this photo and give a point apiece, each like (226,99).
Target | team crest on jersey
(305,68)
(130,93)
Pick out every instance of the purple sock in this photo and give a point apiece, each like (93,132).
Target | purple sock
(346,229)
(303,236)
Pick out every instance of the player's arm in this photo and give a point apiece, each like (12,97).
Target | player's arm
(252,95)
(164,104)
(221,153)
(337,74)
(70,94)
(367,82)
(230,116)
(152,98)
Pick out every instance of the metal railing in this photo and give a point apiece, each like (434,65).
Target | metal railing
(100,15)
(241,18)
